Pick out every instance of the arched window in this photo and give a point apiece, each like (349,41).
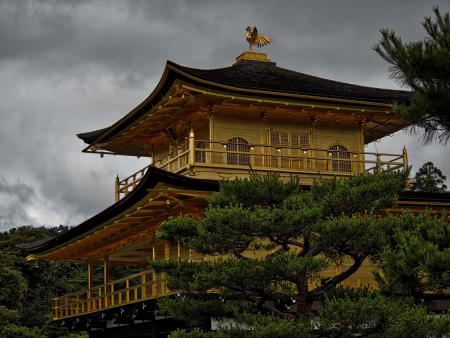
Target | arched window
(338,151)
(237,148)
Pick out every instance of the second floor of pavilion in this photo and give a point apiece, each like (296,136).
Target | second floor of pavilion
(220,123)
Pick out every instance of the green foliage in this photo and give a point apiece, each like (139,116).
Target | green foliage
(253,326)
(369,315)
(197,311)
(429,179)
(13,288)
(417,260)
(424,66)
(27,287)
(376,316)
(8,316)
(14,331)
(268,239)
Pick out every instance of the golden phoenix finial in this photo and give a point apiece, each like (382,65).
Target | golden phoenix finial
(253,38)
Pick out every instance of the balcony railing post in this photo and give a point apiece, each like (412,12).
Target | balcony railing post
(191,147)
(405,159)
(143,295)
(117,187)
(66,306)
(99,298)
(378,164)
(55,309)
(77,309)
(112,294)
(127,290)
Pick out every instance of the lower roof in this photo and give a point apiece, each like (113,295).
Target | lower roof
(154,176)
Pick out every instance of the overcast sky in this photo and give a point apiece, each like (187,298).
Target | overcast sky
(74,66)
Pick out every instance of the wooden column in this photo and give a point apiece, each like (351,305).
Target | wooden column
(211,145)
(106,269)
(90,282)
(106,278)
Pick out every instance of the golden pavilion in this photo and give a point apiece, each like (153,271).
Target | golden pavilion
(198,127)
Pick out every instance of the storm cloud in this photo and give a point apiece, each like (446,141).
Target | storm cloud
(73,66)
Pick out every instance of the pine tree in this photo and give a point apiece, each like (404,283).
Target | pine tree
(416,262)
(429,179)
(423,66)
(267,240)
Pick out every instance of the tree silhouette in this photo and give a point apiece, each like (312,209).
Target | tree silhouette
(429,179)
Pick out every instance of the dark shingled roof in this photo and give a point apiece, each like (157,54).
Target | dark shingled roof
(275,82)
(267,76)
(91,136)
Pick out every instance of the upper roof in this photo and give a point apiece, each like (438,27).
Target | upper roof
(256,79)
(267,76)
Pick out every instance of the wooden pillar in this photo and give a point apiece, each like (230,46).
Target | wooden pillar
(106,278)
(211,145)
(90,282)
(106,269)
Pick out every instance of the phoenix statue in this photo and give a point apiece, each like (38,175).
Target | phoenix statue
(256,39)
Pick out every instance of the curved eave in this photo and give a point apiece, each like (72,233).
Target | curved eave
(173,72)
(152,177)
(407,200)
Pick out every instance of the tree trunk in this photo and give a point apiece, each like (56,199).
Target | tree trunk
(302,301)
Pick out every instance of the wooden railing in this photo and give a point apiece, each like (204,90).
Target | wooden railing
(125,186)
(176,159)
(139,287)
(296,160)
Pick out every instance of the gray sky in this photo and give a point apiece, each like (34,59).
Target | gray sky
(73,66)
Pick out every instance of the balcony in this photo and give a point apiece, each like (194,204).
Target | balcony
(132,289)
(194,157)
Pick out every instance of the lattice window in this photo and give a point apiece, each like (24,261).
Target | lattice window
(304,139)
(293,139)
(287,149)
(338,151)
(240,146)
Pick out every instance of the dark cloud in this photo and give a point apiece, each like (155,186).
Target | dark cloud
(15,199)
(74,66)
